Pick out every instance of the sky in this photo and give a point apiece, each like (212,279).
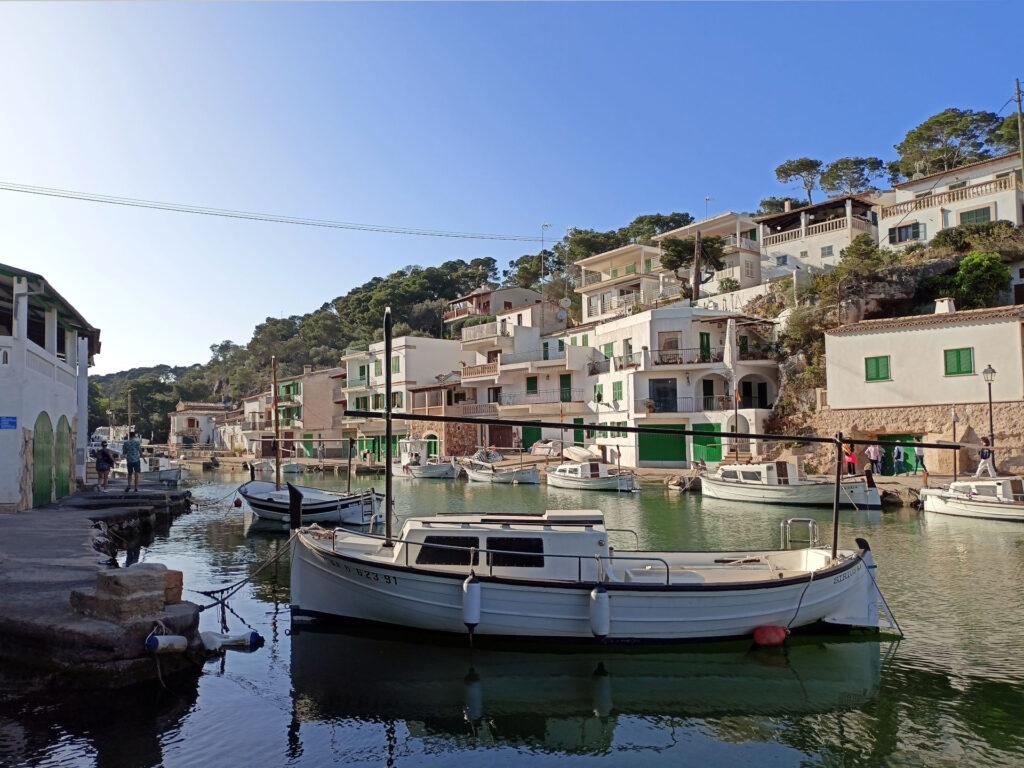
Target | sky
(469,117)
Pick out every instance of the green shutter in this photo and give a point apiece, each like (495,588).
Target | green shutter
(631,269)
(615,272)
(598,392)
(377,368)
(572,341)
(648,264)
(892,235)
(876,368)
(608,349)
(531,385)
(616,390)
(959,362)
(586,340)
(396,365)
(561,345)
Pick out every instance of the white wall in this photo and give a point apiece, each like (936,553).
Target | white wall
(917,366)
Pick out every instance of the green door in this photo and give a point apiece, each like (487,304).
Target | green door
(307,446)
(667,447)
(888,465)
(705,346)
(565,387)
(63,461)
(545,351)
(530,436)
(577,434)
(432,447)
(707,448)
(42,461)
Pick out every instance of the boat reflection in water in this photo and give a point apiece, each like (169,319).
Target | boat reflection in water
(564,702)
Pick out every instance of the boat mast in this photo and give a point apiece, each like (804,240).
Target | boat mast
(387,426)
(835,499)
(277,425)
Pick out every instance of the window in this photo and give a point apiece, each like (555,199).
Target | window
(396,365)
(518,552)
(750,234)
(572,342)
(441,555)
(378,401)
(377,368)
(648,265)
(615,272)
(494,394)
(958,185)
(561,345)
(586,340)
(396,399)
(906,233)
(616,390)
(748,268)
(826,252)
(919,195)
(631,269)
(876,368)
(598,393)
(976,216)
(959,362)
(781,261)
(519,318)
(531,385)
(608,349)
(754,477)
(728,474)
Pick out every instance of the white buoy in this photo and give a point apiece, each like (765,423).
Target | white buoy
(600,612)
(166,644)
(215,641)
(471,602)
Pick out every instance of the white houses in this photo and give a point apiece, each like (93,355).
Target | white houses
(908,376)
(742,255)
(486,300)
(813,237)
(46,347)
(988,190)
(194,425)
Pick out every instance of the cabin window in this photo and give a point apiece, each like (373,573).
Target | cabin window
(876,368)
(985,490)
(754,477)
(519,552)
(728,474)
(429,555)
(959,362)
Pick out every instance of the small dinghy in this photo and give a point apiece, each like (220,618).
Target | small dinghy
(270,503)
(159,469)
(778,482)
(996,498)
(483,472)
(413,463)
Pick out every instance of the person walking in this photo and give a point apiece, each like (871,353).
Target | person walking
(131,449)
(898,459)
(874,454)
(919,460)
(985,463)
(104,463)
(320,453)
(851,461)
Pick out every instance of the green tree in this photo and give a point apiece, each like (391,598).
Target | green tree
(778,204)
(727,284)
(952,138)
(803,169)
(1005,137)
(979,280)
(677,255)
(850,175)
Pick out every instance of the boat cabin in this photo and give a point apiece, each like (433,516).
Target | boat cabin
(1002,489)
(770,473)
(583,469)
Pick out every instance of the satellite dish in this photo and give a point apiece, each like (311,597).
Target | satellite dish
(561,314)
(565,303)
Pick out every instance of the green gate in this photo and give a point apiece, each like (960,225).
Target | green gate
(667,447)
(707,448)
(577,434)
(63,460)
(530,436)
(42,461)
(307,446)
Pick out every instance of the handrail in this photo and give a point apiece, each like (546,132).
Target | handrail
(626,530)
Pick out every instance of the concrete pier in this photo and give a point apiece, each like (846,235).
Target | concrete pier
(66,616)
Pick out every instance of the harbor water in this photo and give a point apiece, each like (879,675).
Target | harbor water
(950,693)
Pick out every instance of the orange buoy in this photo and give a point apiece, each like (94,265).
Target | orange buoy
(238,502)
(769,636)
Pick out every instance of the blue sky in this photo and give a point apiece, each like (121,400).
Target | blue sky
(487,118)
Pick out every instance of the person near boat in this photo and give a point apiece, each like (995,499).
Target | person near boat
(104,463)
(874,455)
(320,453)
(898,457)
(131,449)
(919,460)
(851,461)
(985,462)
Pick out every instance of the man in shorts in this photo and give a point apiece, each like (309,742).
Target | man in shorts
(131,449)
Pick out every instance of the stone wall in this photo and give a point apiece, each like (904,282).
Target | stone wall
(935,424)
(455,439)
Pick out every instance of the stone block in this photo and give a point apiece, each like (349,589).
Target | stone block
(128,582)
(174,582)
(120,609)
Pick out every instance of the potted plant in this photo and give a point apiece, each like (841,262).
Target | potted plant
(649,406)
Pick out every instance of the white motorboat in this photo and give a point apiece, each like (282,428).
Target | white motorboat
(158,469)
(779,482)
(287,467)
(270,503)
(415,461)
(997,498)
(556,576)
(590,476)
(484,472)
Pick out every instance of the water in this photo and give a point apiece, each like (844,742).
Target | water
(952,692)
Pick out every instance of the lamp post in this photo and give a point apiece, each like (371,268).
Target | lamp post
(989,374)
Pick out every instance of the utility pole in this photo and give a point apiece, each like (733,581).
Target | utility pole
(129,410)
(695,280)
(277,424)
(1020,130)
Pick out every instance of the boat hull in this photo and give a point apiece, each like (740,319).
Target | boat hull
(324,582)
(943,503)
(530,476)
(445,471)
(858,495)
(610,483)
(355,509)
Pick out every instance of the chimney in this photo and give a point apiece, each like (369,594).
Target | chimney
(307,369)
(787,205)
(945,306)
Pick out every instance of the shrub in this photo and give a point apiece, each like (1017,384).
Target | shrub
(966,236)
(728,284)
(982,276)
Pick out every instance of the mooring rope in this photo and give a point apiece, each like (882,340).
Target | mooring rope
(205,503)
(227,592)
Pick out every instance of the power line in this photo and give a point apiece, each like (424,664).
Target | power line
(229,213)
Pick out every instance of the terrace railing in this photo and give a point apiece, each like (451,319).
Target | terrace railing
(543,396)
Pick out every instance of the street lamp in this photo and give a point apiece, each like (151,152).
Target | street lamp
(989,374)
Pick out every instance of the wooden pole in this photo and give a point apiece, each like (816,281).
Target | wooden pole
(351,447)
(695,277)
(1020,130)
(835,498)
(277,425)
(387,427)
(956,453)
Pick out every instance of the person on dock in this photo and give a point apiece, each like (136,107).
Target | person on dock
(851,461)
(320,453)
(898,457)
(985,463)
(104,463)
(874,455)
(919,460)
(132,451)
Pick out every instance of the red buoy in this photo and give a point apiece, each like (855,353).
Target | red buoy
(238,502)
(769,636)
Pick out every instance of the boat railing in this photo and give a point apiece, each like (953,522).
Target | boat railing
(626,530)
(474,553)
(785,530)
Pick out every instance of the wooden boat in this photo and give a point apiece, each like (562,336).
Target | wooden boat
(159,469)
(287,467)
(997,498)
(270,503)
(411,460)
(483,472)
(778,482)
(556,576)
(590,476)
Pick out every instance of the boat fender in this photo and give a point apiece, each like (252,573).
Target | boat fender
(237,502)
(600,612)
(166,644)
(471,589)
(243,641)
(770,635)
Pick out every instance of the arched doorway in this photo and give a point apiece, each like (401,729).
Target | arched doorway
(738,425)
(63,461)
(432,445)
(42,461)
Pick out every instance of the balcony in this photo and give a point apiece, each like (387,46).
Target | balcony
(474,371)
(631,301)
(458,409)
(355,351)
(484,331)
(286,399)
(357,382)
(688,356)
(532,355)
(457,314)
(1004,184)
(759,351)
(653,405)
(741,244)
(824,227)
(599,366)
(632,360)
(542,396)
(188,432)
